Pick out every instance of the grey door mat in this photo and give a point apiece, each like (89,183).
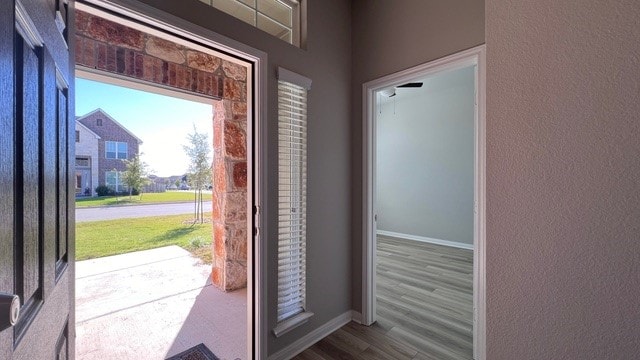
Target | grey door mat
(198,352)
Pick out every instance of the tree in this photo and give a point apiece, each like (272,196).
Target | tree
(135,177)
(199,172)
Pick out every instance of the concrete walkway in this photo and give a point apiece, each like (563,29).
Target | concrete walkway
(154,304)
(136,211)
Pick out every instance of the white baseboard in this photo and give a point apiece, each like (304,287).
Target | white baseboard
(313,337)
(426,239)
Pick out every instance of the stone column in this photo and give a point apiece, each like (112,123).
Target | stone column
(230,183)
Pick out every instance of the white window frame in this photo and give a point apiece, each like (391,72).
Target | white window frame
(119,186)
(117,145)
(296,11)
(292,308)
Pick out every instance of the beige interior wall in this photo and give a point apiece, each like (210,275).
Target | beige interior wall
(389,36)
(563,195)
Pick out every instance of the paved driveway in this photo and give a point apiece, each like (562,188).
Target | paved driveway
(135,211)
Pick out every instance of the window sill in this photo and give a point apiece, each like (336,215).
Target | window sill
(285,326)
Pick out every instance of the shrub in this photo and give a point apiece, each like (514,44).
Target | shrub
(104,190)
(134,192)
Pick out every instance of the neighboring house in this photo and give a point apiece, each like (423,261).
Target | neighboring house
(87,159)
(115,144)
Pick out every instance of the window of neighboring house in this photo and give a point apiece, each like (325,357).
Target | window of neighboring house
(83,162)
(77,136)
(280,18)
(113,180)
(99,122)
(116,150)
(292,200)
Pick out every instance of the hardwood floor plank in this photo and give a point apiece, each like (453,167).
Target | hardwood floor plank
(424,307)
(426,346)
(348,342)
(310,354)
(378,339)
(330,351)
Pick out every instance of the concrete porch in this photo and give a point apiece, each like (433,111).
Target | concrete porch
(154,304)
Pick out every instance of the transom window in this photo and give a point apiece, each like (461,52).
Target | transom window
(280,18)
(116,150)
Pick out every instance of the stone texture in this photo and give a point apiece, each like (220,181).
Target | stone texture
(217,275)
(202,61)
(237,249)
(165,50)
(216,210)
(239,110)
(82,21)
(232,89)
(240,175)
(220,176)
(235,143)
(114,34)
(236,275)
(236,207)
(148,64)
(234,71)
(101,56)
(219,116)
(219,234)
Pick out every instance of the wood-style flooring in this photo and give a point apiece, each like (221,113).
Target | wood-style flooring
(425,305)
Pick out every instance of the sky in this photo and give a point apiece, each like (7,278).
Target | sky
(161,122)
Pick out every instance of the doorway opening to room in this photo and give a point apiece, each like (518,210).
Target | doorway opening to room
(423,265)
(197,296)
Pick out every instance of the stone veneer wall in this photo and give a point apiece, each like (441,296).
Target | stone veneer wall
(107,47)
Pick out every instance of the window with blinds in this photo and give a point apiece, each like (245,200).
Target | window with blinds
(280,18)
(292,195)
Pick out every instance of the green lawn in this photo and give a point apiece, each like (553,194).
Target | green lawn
(111,237)
(150,198)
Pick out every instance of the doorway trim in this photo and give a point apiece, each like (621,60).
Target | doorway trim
(474,56)
(256,139)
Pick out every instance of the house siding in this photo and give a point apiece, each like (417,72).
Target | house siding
(88,147)
(109,131)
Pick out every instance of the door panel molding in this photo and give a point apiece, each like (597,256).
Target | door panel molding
(35,60)
(7,163)
(26,27)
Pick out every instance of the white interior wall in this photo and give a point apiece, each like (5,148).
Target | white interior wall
(425,157)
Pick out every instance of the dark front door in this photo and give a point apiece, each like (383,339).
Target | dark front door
(36,182)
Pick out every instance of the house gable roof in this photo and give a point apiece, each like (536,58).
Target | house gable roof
(99,110)
(78,123)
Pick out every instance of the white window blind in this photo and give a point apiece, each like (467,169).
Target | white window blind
(292,195)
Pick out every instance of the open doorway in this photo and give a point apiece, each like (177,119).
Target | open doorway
(119,51)
(423,265)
